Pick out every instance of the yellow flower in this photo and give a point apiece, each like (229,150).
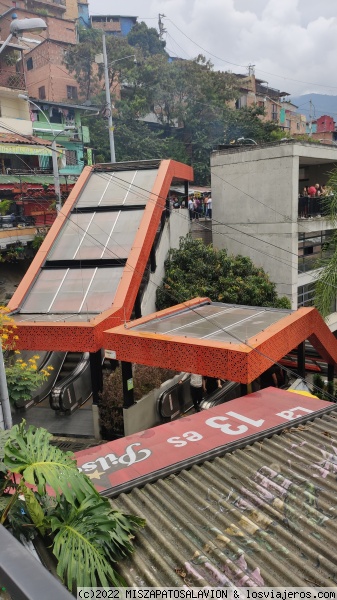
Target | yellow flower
(4,336)
(17,352)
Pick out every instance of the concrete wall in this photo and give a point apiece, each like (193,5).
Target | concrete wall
(144,413)
(14,113)
(176,227)
(255,205)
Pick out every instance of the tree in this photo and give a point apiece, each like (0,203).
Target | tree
(247,123)
(187,100)
(326,282)
(195,269)
(147,39)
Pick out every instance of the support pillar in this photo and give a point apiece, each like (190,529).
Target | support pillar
(301,359)
(186,192)
(138,306)
(153,261)
(331,372)
(127,379)
(96,373)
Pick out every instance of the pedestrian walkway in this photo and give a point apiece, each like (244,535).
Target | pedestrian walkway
(202,230)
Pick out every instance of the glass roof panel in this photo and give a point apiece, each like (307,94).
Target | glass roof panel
(224,323)
(102,290)
(124,187)
(73,290)
(96,236)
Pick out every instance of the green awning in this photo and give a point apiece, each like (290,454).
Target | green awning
(26,149)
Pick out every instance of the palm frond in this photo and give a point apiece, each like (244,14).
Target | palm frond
(29,452)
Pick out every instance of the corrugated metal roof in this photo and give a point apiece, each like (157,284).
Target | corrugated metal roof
(263,515)
(16,138)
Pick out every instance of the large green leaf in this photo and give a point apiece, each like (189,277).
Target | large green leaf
(82,544)
(34,509)
(30,453)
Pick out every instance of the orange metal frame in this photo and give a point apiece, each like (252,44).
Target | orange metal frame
(88,337)
(234,361)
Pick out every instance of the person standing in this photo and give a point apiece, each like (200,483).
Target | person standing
(210,384)
(196,389)
(191,208)
(209,207)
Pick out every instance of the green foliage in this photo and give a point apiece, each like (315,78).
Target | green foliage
(187,99)
(146,39)
(23,377)
(247,123)
(326,283)
(37,241)
(145,379)
(85,534)
(323,390)
(4,206)
(195,269)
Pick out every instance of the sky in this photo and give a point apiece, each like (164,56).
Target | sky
(292,43)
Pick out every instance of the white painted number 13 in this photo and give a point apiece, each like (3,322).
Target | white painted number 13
(218,423)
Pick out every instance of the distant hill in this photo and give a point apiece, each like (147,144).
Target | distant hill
(321,105)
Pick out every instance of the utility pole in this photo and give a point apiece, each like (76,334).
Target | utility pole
(108,103)
(5,407)
(162,29)
(310,118)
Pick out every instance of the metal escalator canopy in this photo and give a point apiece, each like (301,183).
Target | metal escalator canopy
(232,342)
(87,273)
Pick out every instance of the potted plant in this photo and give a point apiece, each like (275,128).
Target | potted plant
(43,494)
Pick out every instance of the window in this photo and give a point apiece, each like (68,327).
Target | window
(274,114)
(71,92)
(29,64)
(71,157)
(56,116)
(312,247)
(42,93)
(305,295)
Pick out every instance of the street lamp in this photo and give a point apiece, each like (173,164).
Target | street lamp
(243,139)
(18,26)
(104,59)
(54,151)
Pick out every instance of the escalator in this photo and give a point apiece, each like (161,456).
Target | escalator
(68,385)
(229,391)
(73,384)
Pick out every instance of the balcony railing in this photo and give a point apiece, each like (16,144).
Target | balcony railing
(10,79)
(23,577)
(309,208)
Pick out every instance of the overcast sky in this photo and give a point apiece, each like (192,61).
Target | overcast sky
(292,43)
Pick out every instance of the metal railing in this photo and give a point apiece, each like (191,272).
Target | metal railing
(23,577)
(10,79)
(311,207)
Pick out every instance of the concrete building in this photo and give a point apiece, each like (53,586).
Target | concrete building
(256,92)
(256,211)
(113,24)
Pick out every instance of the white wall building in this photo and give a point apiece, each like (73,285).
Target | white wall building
(256,211)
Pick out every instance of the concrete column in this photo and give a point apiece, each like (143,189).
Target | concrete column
(127,384)
(96,375)
(301,359)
